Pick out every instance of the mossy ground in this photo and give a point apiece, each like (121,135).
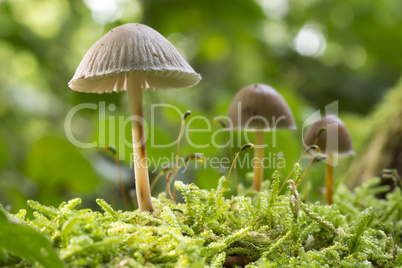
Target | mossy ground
(267,229)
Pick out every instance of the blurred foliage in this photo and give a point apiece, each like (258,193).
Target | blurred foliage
(313,52)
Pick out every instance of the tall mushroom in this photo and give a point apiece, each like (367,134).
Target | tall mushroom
(133,57)
(334,141)
(259,108)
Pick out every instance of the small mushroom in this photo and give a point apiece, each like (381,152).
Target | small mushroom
(259,108)
(330,128)
(133,57)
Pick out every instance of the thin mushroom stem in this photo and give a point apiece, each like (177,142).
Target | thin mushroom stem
(258,159)
(329,180)
(140,156)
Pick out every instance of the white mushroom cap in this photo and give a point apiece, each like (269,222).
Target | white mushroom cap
(129,48)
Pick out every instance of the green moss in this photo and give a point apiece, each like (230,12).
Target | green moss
(272,230)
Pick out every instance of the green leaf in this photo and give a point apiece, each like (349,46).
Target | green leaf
(23,241)
(57,166)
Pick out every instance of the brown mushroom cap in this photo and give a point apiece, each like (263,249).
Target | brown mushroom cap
(330,122)
(129,48)
(262,108)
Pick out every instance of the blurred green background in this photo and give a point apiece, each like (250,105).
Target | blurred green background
(313,52)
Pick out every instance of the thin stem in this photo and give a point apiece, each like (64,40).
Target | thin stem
(258,158)
(305,172)
(230,170)
(139,150)
(291,172)
(177,155)
(329,179)
(155,181)
(168,184)
(244,147)
(231,158)
(312,147)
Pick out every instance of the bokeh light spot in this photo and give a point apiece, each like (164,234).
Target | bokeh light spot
(44,18)
(107,11)
(274,9)
(310,41)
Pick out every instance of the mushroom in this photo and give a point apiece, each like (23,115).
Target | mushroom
(259,108)
(133,57)
(333,138)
